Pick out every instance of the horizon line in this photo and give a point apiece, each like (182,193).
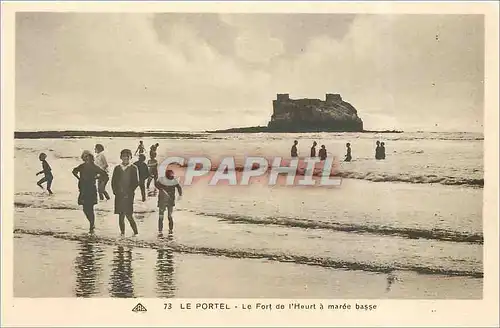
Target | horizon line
(211,131)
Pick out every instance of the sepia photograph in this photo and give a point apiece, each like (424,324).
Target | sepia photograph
(327,160)
(103,99)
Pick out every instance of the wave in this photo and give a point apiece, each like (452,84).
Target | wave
(377,176)
(73,208)
(371,135)
(411,233)
(414,178)
(234,253)
(444,138)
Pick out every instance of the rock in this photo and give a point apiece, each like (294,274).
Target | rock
(314,115)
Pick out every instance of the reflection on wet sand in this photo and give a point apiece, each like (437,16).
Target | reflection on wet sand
(121,282)
(165,271)
(88,268)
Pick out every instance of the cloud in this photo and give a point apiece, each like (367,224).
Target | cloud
(204,71)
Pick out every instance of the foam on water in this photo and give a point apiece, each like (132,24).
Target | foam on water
(417,211)
(316,261)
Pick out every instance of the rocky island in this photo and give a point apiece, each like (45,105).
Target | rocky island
(314,115)
(309,115)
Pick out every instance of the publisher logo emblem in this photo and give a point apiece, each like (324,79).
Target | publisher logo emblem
(139,308)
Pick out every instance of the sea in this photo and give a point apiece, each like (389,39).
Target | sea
(407,227)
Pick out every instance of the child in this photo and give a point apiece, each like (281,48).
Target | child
(322,153)
(143,175)
(100,160)
(166,199)
(140,148)
(153,149)
(124,182)
(382,150)
(87,173)
(153,169)
(293,151)
(377,151)
(47,171)
(348,154)
(313,149)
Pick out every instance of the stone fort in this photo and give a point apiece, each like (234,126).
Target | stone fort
(297,115)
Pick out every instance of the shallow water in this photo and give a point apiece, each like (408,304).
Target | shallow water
(426,236)
(61,268)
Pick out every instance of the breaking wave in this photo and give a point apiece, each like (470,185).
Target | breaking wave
(411,233)
(414,178)
(234,253)
(381,176)
(73,208)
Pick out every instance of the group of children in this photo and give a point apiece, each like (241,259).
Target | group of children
(126,177)
(379,151)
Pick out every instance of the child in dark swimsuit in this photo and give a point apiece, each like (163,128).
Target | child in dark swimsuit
(153,170)
(293,151)
(322,153)
(143,175)
(153,150)
(348,156)
(382,150)
(47,171)
(87,173)
(377,151)
(140,148)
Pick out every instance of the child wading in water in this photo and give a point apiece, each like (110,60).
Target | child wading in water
(100,160)
(47,171)
(348,155)
(87,173)
(124,182)
(143,174)
(153,169)
(140,148)
(166,199)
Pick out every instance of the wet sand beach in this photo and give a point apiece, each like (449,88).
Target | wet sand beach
(378,235)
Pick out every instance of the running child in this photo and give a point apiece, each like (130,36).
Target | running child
(124,181)
(140,148)
(47,171)
(166,199)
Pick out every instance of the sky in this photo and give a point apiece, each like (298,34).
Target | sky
(192,72)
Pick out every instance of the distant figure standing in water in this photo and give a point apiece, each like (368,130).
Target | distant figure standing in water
(87,173)
(153,170)
(140,148)
(313,149)
(377,151)
(322,153)
(47,171)
(143,175)
(100,160)
(293,151)
(382,150)
(153,150)
(124,182)
(348,156)
(166,198)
